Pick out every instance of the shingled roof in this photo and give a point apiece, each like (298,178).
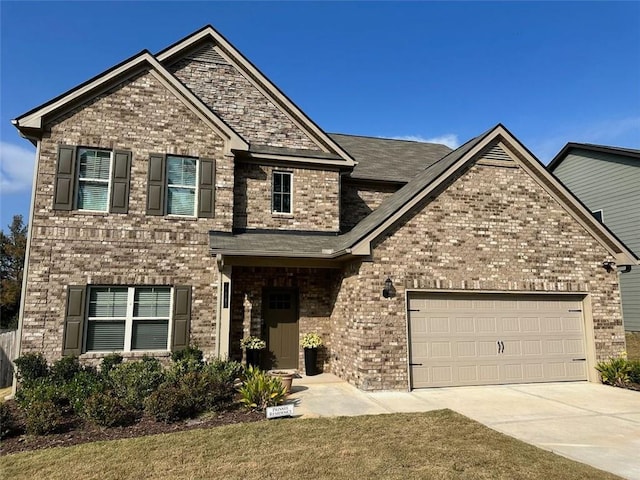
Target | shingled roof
(385,159)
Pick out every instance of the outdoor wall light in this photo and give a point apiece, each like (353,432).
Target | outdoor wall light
(388,291)
(608,265)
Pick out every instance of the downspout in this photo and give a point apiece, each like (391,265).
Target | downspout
(25,270)
(220,264)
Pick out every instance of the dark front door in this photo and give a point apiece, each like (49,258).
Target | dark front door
(280,314)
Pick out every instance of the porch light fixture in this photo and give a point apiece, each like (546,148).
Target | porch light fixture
(608,265)
(388,291)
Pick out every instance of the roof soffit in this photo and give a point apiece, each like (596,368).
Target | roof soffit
(259,81)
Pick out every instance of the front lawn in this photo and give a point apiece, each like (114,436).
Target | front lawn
(440,445)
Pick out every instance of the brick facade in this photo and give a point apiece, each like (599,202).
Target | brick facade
(237,101)
(316,199)
(360,199)
(494,228)
(79,248)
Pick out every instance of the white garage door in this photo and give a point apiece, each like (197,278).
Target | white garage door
(495,339)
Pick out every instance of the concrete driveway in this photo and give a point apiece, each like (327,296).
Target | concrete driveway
(590,423)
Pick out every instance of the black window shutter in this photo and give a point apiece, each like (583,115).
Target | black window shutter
(181,317)
(156,185)
(74,320)
(206,190)
(120,182)
(65,178)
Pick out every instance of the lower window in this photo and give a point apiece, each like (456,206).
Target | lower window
(128,318)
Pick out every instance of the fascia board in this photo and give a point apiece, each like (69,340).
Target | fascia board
(256,157)
(264,85)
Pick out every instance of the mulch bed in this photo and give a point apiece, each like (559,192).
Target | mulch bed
(75,431)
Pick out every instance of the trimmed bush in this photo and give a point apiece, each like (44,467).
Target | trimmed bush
(64,369)
(135,381)
(31,366)
(7,422)
(42,417)
(84,384)
(169,403)
(190,353)
(41,390)
(260,390)
(108,410)
(634,371)
(109,362)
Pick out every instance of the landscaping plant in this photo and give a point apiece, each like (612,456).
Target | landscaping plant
(260,390)
(616,371)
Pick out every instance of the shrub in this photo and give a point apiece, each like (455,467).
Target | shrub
(40,390)
(108,410)
(228,370)
(31,366)
(260,390)
(135,381)
(64,369)
(169,403)
(221,376)
(615,371)
(634,371)
(42,417)
(191,353)
(109,362)
(83,385)
(7,422)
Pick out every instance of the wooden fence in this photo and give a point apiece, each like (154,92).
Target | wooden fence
(7,352)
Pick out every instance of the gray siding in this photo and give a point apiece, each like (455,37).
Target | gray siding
(611,183)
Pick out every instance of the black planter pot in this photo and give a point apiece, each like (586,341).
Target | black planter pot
(311,361)
(253,357)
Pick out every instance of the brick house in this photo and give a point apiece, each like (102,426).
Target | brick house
(182,198)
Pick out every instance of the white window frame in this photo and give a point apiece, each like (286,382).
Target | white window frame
(94,180)
(128,319)
(273,192)
(195,187)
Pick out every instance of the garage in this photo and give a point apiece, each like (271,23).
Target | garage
(485,339)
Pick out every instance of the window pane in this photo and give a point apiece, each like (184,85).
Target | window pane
(105,335)
(108,302)
(286,203)
(93,196)
(181,201)
(181,171)
(150,334)
(286,183)
(95,164)
(277,182)
(151,302)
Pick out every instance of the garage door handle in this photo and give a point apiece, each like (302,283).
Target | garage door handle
(415,364)
(579,360)
(500,347)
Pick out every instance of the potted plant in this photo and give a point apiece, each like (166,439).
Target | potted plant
(285,377)
(311,342)
(253,345)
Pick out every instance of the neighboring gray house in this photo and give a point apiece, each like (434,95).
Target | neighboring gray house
(607,181)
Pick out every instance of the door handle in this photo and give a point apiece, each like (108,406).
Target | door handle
(500,346)
(415,364)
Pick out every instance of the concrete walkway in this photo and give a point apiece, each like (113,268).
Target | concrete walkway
(590,423)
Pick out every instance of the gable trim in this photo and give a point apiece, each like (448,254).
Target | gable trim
(523,157)
(262,83)
(562,154)
(33,121)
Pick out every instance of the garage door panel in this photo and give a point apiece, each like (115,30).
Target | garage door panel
(477,339)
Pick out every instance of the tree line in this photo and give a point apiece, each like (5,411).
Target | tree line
(13,245)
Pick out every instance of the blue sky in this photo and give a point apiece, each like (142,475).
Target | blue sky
(552,72)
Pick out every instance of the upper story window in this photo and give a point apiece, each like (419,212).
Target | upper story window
(182,186)
(92,179)
(282,192)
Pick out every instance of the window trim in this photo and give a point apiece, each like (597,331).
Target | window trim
(129,319)
(289,174)
(196,187)
(78,179)
(595,214)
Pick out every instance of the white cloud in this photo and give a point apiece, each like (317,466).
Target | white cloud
(16,168)
(449,139)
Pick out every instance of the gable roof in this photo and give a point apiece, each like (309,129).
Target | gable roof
(32,122)
(389,160)
(562,154)
(259,80)
(391,211)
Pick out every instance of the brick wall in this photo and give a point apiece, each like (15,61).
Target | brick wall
(494,228)
(316,293)
(76,248)
(360,199)
(237,101)
(316,199)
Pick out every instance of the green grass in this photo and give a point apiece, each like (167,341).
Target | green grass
(4,392)
(439,445)
(633,345)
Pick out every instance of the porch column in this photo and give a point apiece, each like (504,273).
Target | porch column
(224,310)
